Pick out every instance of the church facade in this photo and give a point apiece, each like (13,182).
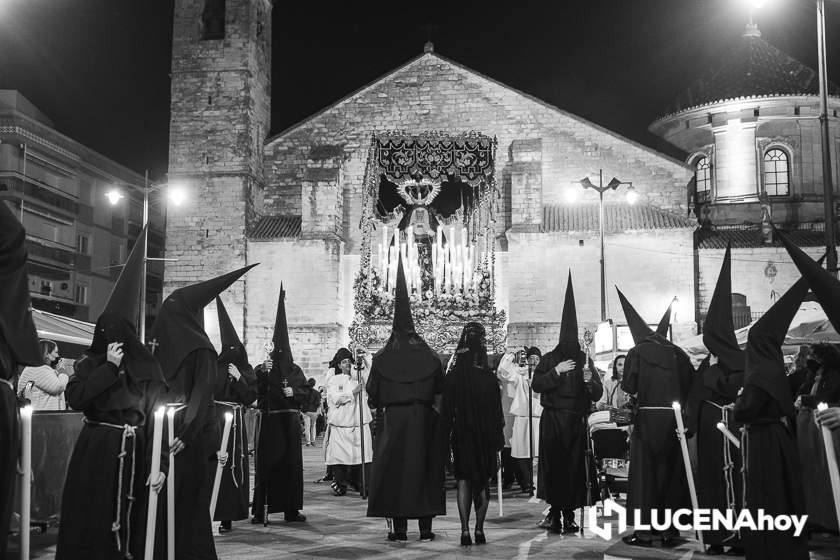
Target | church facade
(306,205)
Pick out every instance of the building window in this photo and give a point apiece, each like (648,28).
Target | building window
(83,243)
(776,172)
(213,20)
(81,294)
(46,287)
(703,170)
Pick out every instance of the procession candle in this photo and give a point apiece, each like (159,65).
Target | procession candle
(687,464)
(831,459)
(170,489)
(151,518)
(25,479)
(729,435)
(214,497)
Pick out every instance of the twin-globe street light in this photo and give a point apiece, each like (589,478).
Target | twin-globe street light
(176,195)
(632,196)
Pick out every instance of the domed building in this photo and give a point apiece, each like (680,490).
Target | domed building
(751,130)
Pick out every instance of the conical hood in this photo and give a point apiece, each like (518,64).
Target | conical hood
(665,322)
(125,297)
(197,296)
(179,329)
(406,357)
(16,326)
(403,323)
(719,327)
(282,353)
(639,329)
(568,323)
(826,288)
(765,367)
(227,332)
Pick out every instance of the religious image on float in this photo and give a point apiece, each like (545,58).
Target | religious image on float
(429,199)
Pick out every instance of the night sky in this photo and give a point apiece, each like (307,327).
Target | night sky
(99,68)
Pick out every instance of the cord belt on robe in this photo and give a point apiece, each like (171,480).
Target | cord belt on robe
(281,411)
(127,433)
(728,464)
(408,403)
(668,408)
(236,428)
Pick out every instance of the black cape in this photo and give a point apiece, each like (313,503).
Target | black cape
(279,459)
(659,374)
(235,486)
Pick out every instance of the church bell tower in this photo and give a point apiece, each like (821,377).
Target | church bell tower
(220,116)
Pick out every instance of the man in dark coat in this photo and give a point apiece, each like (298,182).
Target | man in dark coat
(281,390)
(406,384)
(772,472)
(713,393)
(233,390)
(659,374)
(118,385)
(189,363)
(18,347)
(568,386)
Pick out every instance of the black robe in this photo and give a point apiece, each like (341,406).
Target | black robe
(279,459)
(97,484)
(235,486)
(196,427)
(772,475)
(408,470)
(659,374)
(562,479)
(718,480)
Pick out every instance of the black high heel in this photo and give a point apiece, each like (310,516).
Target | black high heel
(480,538)
(465,538)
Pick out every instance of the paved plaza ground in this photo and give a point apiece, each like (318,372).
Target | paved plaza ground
(338,528)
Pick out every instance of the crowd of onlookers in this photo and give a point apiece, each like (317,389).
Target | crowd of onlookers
(43,386)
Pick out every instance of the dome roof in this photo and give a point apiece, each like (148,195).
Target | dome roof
(753,68)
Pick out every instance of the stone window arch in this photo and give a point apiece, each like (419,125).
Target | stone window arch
(702,164)
(775,170)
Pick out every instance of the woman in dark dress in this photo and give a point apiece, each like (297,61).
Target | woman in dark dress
(474,421)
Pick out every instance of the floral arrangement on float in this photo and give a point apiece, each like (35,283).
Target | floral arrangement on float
(447,249)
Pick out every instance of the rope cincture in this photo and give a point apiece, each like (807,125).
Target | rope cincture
(128,432)
(238,420)
(728,463)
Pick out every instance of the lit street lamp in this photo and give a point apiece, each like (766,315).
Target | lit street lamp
(177,196)
(632,196)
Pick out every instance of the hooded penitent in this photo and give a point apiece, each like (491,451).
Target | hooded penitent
(639,329)
(233,351)
(16,325)
(826,288)
(406,356)
(719,327)
(179,327)
(765,367)
(119,320)
(568,345)
(281,355)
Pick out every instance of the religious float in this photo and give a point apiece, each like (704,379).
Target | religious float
(430,198)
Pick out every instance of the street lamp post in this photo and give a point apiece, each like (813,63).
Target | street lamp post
(177,197)
(600,188)
(828,184)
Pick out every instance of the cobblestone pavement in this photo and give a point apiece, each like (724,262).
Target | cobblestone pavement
(338,528)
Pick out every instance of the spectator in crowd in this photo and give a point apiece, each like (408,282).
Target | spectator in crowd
(311,410)
(43,385)
(614,396)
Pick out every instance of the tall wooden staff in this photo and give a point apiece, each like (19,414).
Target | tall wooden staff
(588,338)
(269,349)
(358,365)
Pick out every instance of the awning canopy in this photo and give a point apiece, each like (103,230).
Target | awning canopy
(62,329)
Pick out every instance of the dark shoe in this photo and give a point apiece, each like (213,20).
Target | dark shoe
(296,517)
(635,540)
(466,540)
(735,551)
(570,527)
(480,538)
(545,522)
(338,489)
(669,542)
(397,537)
(225,527)
(556,527)
(714,549)
(426,537)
